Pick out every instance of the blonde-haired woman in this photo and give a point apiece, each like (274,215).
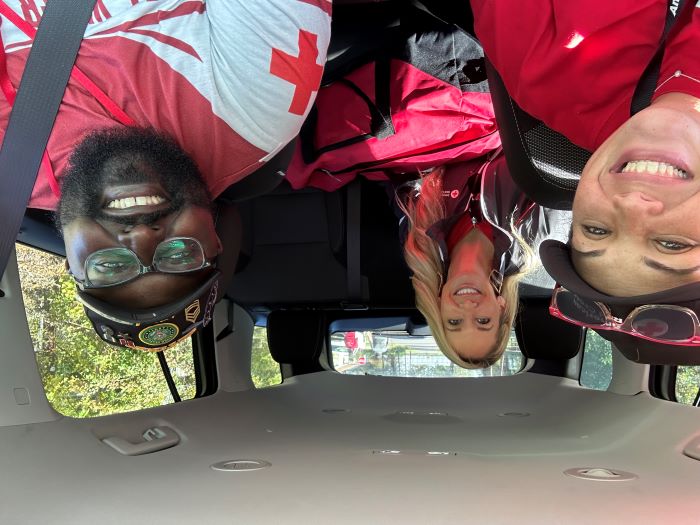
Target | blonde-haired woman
(468,245)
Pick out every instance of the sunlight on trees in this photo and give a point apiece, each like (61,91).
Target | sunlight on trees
(82,376)
(687,384)
(264,370)
(596,370)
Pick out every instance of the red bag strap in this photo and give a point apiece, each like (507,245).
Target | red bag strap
(77,75)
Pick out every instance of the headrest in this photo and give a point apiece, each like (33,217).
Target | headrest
(295,336)
(542,336)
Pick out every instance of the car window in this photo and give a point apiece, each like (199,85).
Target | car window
(687,384)
(264,370)
(82,376)
(596,370)
(396,353)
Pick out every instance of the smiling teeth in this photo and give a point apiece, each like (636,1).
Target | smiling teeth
(467,291)
(130,202)
(652,167)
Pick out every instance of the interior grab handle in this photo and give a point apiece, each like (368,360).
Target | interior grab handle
(154,439)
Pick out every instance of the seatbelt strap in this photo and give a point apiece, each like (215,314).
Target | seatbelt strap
(353,253)
(39,96)
(650,78)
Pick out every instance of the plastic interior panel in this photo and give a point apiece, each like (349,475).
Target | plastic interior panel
(509,441)
(22,398)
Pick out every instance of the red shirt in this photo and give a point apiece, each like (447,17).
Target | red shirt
(575,65)
(465,225)
(230,80)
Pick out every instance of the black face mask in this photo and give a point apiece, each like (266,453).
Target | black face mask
(128,156)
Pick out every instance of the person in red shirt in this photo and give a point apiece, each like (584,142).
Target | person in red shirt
(575,66)
(169,103)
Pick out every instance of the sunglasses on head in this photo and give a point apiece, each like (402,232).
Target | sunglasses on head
(660,323)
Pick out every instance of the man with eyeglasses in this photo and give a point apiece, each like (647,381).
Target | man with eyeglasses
(226,84)
(140,235)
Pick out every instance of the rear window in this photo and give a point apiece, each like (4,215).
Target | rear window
(399,354)
(688,385)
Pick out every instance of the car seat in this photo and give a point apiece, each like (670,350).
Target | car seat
(544,163)
(551,342)
(321,249)
(326,250)
(297,340)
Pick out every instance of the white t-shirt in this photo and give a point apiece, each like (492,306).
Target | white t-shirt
(230,80)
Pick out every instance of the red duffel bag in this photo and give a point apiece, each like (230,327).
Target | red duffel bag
(419,101)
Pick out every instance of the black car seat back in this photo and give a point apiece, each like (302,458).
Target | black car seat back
(296,339)
(290,242)
(542,336)
(544,163)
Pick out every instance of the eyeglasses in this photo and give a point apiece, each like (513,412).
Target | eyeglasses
(114,266)
(660,323)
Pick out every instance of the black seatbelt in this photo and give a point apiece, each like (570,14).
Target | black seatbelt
(39,96)
(650,78)
(355,298)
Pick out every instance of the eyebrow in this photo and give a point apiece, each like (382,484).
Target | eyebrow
(673,271)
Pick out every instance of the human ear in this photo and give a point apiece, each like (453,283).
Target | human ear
(501,302)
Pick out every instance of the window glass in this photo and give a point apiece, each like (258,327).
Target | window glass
(400,354)
(687,384)
(264,370)
(83,376)
(596,370)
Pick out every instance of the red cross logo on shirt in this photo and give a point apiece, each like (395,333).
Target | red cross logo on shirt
(302,70)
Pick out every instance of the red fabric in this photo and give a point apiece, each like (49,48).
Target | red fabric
(434,123)
(350,340)
(463,226)
(80,113)
(46,170)
(196,70)
(302,71)
(575,65)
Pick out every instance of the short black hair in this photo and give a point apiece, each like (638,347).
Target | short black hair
(121,153)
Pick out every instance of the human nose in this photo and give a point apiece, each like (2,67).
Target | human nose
(638,204)
(142,240)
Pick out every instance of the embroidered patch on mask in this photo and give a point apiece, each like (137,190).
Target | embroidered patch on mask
(192,311)
(159,334)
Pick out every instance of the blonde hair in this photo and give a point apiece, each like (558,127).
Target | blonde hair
(424,208)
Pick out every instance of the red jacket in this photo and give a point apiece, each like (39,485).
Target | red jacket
(575,65)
